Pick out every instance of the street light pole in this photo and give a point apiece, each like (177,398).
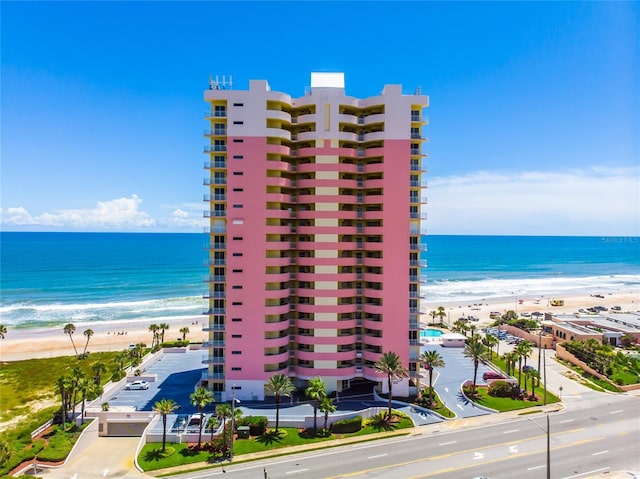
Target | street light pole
(548,449)
(233,419)
(545,378)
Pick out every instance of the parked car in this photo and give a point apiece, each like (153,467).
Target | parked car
(528,368)
(492,375)
(140,384)
(616,308)
(495,315)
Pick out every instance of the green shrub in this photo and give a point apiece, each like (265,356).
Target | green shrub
(503,389)
(257,424)
(345,426)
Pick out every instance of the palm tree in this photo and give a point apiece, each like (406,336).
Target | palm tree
(63,387)
(184,331)
(534,376)
(316,391)
(97,369)
(154,329)
(523,350)
(327,407)
(70,329)
(223,411)
(3,331)
(431,359)
(164,407)
(441,313)
(88,333)
(163,327)
(433,314)
(391,365)
(201,398)
(280,385)
(476,351)
(88,390)
(490,341)
(511,358)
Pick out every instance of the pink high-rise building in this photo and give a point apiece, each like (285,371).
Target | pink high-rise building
(315,211)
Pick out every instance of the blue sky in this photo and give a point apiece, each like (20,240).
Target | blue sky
(534,117)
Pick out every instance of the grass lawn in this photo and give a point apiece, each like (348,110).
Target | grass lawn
(508,404)
(150,459)
(29,400)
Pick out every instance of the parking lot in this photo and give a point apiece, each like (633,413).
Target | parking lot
(176,374)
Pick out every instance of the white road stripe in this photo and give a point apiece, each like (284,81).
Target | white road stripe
(512,430)
(447,443)
(598,453)
(296,471)
(535,467)
(379,455)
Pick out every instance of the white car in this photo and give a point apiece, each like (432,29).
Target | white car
(137,385)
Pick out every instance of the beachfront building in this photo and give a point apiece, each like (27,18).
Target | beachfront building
(315,206)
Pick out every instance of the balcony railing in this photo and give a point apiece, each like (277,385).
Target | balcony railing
(215,181)
(215,114)
(215,214)
(210,148)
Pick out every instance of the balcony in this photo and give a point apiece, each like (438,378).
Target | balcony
(215,114)
(417,247)
(216,132)
(218,197)
(215,214)
(214,181)
(213,360)
(216,262)
(210,148)
(214,311)
(208,165)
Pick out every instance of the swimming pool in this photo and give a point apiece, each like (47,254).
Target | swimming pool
(431,333)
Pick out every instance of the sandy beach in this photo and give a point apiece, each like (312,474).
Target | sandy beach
(20,344)
(42,343)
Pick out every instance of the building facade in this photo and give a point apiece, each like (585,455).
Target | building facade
(315,210)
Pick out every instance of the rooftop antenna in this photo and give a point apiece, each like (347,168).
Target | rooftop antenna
(218,84)
(419,90)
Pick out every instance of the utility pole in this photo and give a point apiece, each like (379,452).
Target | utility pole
(548,447)
(233,419)
(545,378)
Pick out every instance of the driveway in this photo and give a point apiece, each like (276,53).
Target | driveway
(449,379)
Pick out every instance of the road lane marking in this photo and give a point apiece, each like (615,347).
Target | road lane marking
(451,454)
(375,457)
(478,455)
(598,453)
(461,408)
(565,421)
(617,412)
(513,449)
(296,471)
(509,432)
(602,469)
(447,443)
(535,467)
(491,461)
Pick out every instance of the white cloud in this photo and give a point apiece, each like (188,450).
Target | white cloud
(120,214)
(596,201)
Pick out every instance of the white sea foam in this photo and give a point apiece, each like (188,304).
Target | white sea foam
(455,290)
(35,315)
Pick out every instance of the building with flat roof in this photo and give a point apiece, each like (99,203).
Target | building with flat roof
(315,209)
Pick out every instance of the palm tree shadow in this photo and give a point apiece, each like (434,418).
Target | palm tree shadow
(153,455)
(270,437)
(381,423)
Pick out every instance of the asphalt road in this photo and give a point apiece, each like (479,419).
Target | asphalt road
(583,443)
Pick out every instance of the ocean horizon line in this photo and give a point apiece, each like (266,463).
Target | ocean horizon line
(635,238)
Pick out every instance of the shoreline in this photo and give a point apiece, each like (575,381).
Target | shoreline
(32,343)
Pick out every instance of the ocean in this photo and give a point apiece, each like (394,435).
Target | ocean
(49,279)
